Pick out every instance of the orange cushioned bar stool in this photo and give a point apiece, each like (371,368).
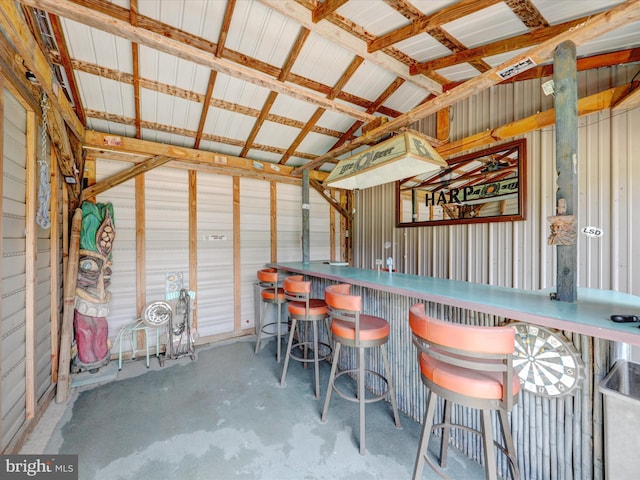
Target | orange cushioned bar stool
(305,312)
(471,366)
(352,328)
(271,294)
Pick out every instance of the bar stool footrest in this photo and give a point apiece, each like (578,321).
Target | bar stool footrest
(352,398)
(275,329)
(309,345)
(510,456)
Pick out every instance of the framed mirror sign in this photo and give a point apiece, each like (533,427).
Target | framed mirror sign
(485,186)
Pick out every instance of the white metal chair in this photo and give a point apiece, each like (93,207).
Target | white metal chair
(156,316)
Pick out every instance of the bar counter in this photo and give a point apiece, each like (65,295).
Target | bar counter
(558,436)
(589,315)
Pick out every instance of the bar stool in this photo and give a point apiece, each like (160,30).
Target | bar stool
(471,366)
(304,312)
(352,328)
(271,294)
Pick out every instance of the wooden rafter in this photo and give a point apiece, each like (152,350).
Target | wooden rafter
(294,52)
(222,39)
(592,28)
(190,133)
(326,8)
(350,71)
(503,46)
(171,46)
(58,34)
(390,90)
(345,35)
(192,96)
(133,18)
(427,23)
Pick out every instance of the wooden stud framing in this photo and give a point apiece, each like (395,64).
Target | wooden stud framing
(193,241)
(237,271)
(141,249)
(54,248)
(274,222)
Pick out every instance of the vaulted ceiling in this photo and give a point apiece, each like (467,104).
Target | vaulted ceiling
(291,84)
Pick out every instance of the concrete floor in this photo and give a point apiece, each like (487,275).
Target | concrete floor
(225,416)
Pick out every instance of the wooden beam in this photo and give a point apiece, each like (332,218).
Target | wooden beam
(595,26)
(631,99)
(71,276)
(566,105)
(162,43)
(332,201)
(122,177)
(587,105)
(325,9)
(103,141)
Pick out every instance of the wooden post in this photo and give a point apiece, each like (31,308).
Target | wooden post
(305,216)
(566,107)
(71,276)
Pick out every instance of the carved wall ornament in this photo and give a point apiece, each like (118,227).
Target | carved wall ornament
(563,230)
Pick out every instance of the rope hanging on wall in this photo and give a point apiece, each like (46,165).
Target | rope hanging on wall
(44,188)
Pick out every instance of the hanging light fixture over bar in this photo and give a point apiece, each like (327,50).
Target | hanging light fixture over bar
(402,156)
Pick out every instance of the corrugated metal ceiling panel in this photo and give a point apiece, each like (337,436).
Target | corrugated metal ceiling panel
(261,38)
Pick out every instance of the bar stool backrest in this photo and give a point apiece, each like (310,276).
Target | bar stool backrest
(344,306)
(296,289)
(268,277)
(488,349)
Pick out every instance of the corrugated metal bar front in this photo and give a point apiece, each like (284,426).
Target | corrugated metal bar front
(12,329)
(215,254)
(553,436)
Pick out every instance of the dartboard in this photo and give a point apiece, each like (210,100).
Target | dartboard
(156,314)
(546,363)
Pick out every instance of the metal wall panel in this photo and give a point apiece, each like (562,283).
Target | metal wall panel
(255,244)
(319,220)
(12,327)
(122,308)
(166,227)
(289,218)
(562,438)
(215,254)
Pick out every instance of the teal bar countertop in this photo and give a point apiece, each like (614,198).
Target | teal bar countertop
(589,315)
